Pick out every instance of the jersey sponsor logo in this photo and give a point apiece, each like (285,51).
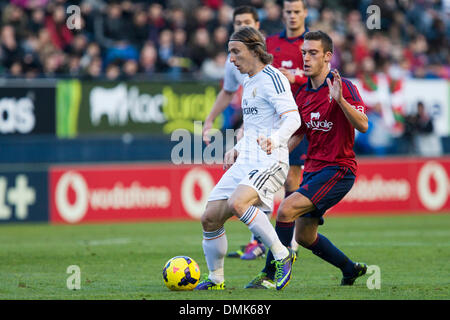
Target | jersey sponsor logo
(287,64)
(250,110)
(316,124)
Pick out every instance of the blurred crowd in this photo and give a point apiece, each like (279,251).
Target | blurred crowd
(140,38)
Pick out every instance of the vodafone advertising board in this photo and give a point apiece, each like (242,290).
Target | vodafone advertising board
(104,193)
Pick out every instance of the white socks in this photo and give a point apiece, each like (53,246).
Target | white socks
(215,244)
(260,226)
(215,247)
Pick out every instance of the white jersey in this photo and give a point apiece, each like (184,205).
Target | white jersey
(266,98)
(233,78)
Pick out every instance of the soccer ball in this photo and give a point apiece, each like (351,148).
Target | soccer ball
(181,273)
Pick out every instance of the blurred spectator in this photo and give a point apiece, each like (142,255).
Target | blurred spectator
(148,59)
(112,72)
(200,47)
(214,68)
(177,19)
(220,38)
(54,65)
(165,49)
(55,23)
(140,28)
(419,132)
(181,54)
(130,69)
(37,20)
(121,51)
(156,21)
(10,50)
(92,51)
(15,16)
(111,27)
(272,23)
(94,69)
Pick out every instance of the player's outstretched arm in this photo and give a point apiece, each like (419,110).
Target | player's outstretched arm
(222,101)
(290,124)
(294,141)
(358,119)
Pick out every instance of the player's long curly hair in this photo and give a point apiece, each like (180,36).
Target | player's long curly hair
(254,41)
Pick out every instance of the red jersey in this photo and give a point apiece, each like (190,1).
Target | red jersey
(331,136)
(287,53)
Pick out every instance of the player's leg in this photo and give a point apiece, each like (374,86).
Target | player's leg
(296,162)
(214,238)
(244,203)
(255,248)
(214,243)
(290,208)
(292,183)
(323,190)
(321,246)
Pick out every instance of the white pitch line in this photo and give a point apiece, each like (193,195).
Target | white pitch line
(106,242)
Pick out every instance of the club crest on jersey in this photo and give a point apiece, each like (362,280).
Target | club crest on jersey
(316,124)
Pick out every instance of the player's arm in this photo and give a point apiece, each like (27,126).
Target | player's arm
(296,80)
(222,101)
(289,126)
(356,117)
(280,96)
(294,141)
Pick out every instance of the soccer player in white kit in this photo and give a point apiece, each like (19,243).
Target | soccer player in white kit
(247,188)
(242,16)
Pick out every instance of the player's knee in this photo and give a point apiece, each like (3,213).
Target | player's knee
(237,207)
(209,222)
(285,213)
(291,183)
(304,239)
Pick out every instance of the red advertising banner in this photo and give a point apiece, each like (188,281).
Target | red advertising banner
(101,193)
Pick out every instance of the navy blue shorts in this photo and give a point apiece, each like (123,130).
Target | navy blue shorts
(325,188)
(298,155)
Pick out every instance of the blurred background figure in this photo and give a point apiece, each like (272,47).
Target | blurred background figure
(419,132)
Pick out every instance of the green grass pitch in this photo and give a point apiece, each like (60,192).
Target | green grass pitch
(124,261)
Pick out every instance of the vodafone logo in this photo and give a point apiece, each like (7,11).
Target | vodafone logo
(433,197)
(195,207)
(75,198)
(72,212)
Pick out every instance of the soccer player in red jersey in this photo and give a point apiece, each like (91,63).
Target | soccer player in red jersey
(286,46)
(331,109)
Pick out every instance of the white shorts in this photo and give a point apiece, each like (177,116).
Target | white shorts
(266,178)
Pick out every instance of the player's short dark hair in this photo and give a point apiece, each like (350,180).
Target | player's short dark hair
(246,9)
(302,1)
(254,40)
(327,42)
